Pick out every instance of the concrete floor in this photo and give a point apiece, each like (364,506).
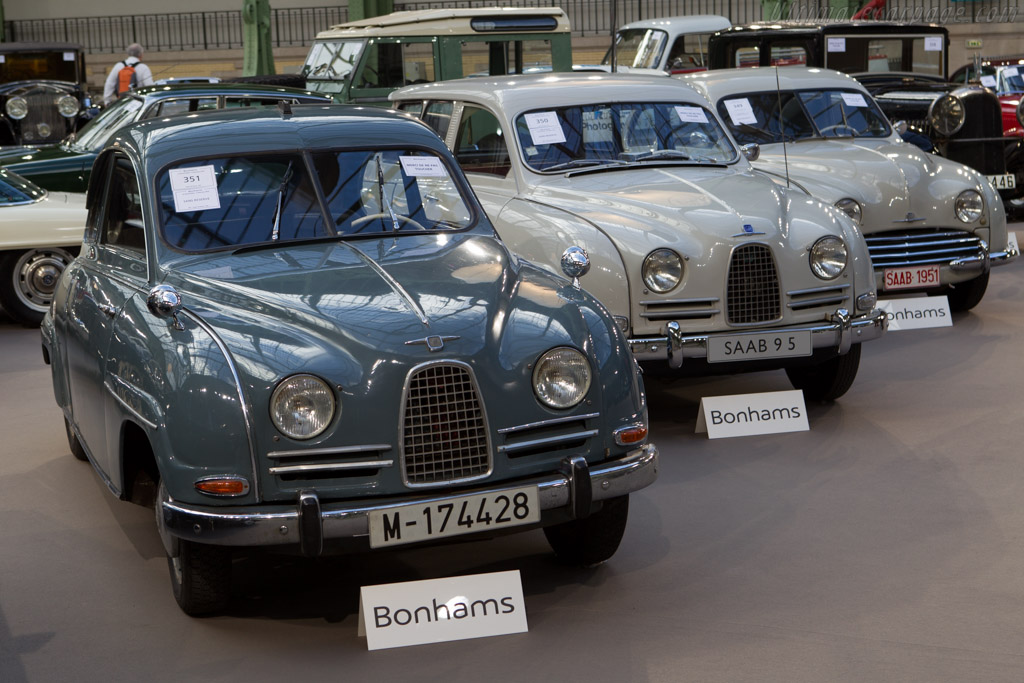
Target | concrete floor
(885,544)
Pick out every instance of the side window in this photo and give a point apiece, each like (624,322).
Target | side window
(414,107)
(392,65)
(747,55)
(480,146)
(234,102)
(122,224)
(688,53)
(788,55)
(500,57)
(177,107)
(439,117)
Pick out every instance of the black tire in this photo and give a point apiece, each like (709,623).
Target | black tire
(28,280)
(829,380)
(966,295)
(591,541)
(201,577)
(74,444)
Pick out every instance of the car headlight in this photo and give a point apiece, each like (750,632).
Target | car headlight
(1020,111)
(561,378)
(947,115)
(850,207)
(16,108)
(969,206)
(67,105)
(662,270)
(828,257)
(302,406)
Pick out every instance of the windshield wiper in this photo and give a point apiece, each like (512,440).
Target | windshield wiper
(383,197)
(275,232)
(661,154)
(576,163)
(246,248)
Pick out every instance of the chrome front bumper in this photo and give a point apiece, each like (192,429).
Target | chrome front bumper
(841,332)
(309,522)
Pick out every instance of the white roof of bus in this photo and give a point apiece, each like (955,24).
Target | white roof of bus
(692,23)
(440,21)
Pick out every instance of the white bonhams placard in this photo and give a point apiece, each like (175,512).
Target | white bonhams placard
(916,313)
(772,412)
(1011,238)
(439,610)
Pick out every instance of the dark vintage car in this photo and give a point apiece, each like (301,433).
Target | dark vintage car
(1005,75)
(298,331)
(65,167)
(905,67)
(43,96)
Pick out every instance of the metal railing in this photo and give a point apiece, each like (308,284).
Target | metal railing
(298,26)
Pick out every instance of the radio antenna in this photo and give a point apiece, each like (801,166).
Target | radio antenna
(782,127)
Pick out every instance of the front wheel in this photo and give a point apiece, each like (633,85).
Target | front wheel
(28,280)
(964,296)
(74,444)
(594,539)
(829,380)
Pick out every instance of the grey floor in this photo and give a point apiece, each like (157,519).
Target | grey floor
(885,544)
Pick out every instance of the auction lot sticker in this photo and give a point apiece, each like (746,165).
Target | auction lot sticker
(195,188)
(439,610)
(917,313)
(772,412)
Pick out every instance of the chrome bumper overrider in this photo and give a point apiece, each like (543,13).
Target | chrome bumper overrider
(310,521)
(839,333)
(986,260)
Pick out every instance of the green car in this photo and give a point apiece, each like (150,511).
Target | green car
(297,330)
(66,167)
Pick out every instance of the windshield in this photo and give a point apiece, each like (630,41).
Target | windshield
(638,48)
(14,189)
(1010,80)
(232,202)
(557,139)
(59,65)
(755,117)
(95,134)
(332,60)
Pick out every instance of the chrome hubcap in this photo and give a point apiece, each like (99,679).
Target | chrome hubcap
(36,276)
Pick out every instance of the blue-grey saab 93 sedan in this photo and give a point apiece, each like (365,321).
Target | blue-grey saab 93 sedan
(298,329)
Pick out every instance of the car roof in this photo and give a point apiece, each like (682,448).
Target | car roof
(532,91)
(442,21)
(162,141)
(691,23)
(213,89)
(866,27)
(720,83)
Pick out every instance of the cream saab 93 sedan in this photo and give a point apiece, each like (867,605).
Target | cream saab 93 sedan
(706,264)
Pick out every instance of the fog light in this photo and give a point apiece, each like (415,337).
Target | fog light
(223,486)
(44,130)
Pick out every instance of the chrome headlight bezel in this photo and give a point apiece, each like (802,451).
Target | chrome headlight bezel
(969,206)
(68,106)
(947,115)
(298,394)
(851,207)
(16,107)
(662,270)
(562,377)
(828,257)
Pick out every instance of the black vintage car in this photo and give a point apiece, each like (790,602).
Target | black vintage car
(42,92)
(905,67)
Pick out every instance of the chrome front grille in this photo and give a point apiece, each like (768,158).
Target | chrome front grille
(921,246)
(680,309)
(829,296)
(752,287)
(444,428)
(43,123)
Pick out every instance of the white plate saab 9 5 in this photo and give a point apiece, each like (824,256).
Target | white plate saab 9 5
(706,264)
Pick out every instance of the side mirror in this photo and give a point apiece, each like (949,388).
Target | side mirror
(751,151)
(901,127)
(165,302)
(575,264)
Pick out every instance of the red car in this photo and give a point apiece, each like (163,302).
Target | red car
(1005,75)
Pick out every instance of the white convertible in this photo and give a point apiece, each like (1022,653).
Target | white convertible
(707,265)
(931,224)
(40,233)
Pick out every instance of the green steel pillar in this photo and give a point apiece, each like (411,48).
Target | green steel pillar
(843,10)
(2,36)
(258,55)
(364,9)
(774,10)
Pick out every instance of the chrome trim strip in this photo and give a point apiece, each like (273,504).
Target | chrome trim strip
(342,450)
(246,416)
(327,466)
(395,285)
(124,404)
(998,258)
(680,302)
(820,301)
(547,441)
(545,423)
(670,315)
(817,290)
(278,524)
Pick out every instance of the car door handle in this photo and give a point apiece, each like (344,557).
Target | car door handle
(108,310)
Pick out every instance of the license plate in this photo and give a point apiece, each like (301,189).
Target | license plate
(911,278)
(453,517)
(736,347)
(1005,181)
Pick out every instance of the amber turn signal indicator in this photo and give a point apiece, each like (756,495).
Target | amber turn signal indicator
(631,435)
(223,486)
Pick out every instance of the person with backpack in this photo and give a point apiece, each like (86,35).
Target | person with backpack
(126,75)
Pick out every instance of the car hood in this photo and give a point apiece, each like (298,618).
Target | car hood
(27,155)
(349,307)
